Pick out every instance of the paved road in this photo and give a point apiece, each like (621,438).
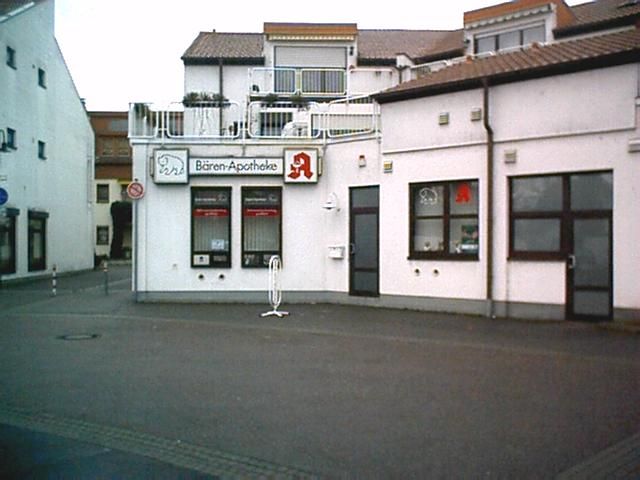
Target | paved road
(331,391)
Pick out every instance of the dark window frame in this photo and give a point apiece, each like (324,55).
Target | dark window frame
(11,57)
(34,264)
(244,193)
(446,217)
(564,216)
(42,78)
(213,263)
(12,138)
(9,224)
(99,236)
(42,150)
(100,190)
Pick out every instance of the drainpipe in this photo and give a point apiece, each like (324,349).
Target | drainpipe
(221,109)
(490,157)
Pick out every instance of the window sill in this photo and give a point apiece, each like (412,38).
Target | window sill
(444,257)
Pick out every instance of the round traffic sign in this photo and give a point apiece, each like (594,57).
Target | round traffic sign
(135,190)
(4,196)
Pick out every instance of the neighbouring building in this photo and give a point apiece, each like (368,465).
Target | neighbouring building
(112,210)
(491,170)
(46,159)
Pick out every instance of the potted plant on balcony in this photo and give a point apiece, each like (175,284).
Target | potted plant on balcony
(205,99)
(298,100)
(270,99)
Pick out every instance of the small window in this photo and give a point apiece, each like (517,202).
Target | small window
(261,225)
(11,139)
(211,227)
(42,150)
(11,58)
(102,193)
(42,78)
(102,235)
(533,35)
(37,240)
(444,220)
(486,44)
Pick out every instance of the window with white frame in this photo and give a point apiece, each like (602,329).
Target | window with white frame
(510,39)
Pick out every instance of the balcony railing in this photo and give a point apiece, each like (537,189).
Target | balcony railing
(301,81)
(258,121)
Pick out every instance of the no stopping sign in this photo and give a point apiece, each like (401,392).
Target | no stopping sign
(135,190)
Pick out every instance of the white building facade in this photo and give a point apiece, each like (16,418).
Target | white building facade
(46,163)
(501,184)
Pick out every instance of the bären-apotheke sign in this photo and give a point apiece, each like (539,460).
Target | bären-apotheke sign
(235,166)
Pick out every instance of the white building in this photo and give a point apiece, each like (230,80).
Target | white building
(46,160)
(499,178)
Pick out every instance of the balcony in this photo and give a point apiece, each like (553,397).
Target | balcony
(258,121)
(319,83)
(311,82)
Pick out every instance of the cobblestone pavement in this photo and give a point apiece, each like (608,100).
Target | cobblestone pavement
(215,391)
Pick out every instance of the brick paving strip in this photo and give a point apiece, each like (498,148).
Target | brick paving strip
(175,452)
(620,461)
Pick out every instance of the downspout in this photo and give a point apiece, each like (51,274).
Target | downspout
(221,109)
(490,159)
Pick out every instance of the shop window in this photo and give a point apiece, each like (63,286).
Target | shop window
(11,58)
(102,193)
(37,239)
(541,207)
(211,227)
(8,241)
(444,220)
(102,235)
(261,225)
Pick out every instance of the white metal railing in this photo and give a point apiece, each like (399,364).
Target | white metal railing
(302,81)
(260,120)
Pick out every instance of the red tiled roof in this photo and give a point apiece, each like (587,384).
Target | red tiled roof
(417,44)
(561,57)
(236,46)
(601,13)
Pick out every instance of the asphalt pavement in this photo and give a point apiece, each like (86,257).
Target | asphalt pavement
(94,385)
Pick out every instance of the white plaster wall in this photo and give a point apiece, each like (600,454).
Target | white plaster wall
(61,185)
(201,78)
(414,124)
(590,101)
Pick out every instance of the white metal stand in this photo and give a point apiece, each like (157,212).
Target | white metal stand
(275,291)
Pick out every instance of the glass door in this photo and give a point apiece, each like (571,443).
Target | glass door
(364,245)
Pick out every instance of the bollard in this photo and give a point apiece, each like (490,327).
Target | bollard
(54,281)
(105,269)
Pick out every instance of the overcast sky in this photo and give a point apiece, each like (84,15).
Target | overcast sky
(122,51)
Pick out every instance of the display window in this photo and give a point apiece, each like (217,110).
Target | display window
(211,227)
(261,225)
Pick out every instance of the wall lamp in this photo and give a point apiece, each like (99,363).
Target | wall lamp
(331,203)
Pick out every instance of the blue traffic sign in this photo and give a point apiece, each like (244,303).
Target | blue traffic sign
(4,196)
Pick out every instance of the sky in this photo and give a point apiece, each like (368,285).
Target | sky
(122,51)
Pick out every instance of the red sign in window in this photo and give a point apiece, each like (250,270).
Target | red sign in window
(261,212)
(211,212)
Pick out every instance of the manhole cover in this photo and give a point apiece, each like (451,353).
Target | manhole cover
(79,336)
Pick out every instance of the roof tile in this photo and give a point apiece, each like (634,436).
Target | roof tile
(527,61)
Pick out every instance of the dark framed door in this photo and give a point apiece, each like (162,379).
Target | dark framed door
(590,268)
(364,223)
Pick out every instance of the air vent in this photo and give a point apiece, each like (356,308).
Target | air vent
(443,118)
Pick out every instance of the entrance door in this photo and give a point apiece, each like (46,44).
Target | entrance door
(363,237)
(589,271)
